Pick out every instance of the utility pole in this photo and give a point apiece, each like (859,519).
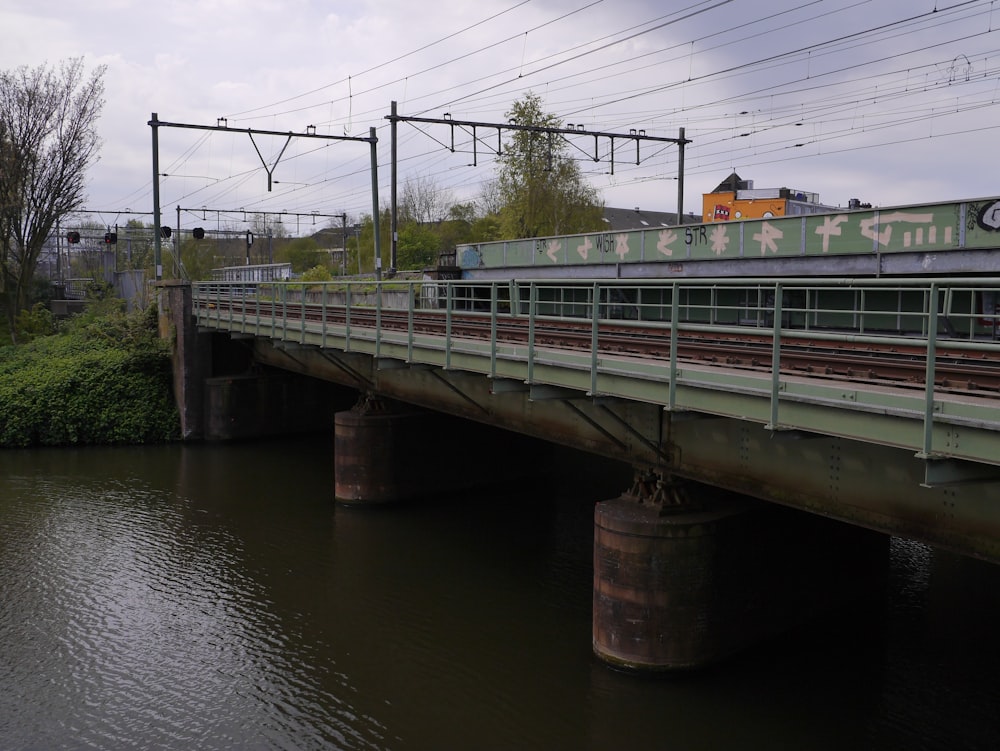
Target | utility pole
(155,124)
(632,135)
(394,239)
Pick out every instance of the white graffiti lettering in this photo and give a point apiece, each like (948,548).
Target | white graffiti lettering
(885,224)
(667,238)
(621,245)
(554,246)
(830,228)
(720,240)
(767,236)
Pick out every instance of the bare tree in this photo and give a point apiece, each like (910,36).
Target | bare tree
(48,139)
(490,200)
(423,201)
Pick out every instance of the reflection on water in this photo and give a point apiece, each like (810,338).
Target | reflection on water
(213,597)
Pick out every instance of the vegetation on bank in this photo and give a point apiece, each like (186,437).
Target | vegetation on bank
(103,377)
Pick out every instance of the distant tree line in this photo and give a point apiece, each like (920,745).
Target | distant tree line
(48,139)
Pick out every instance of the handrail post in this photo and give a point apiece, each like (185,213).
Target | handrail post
(776,357)
(378,320)
(347,317)
(302,302)
(532,304)
(409,318)
(594,318)
(256,308)
(675,308)
(932,328)
(449,301)
(494,309)
(325,288)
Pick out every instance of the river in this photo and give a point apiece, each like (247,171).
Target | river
(214,597)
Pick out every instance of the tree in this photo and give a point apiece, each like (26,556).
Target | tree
(419,246)
(48,139)
(423,201)
(302,252)
(542,191)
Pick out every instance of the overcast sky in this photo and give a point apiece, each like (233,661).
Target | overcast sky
(889,101)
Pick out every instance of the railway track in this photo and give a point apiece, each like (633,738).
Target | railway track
(894,364)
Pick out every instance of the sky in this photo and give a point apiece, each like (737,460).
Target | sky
(892,102)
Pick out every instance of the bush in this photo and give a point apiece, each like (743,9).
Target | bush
(105,380)
(37,322)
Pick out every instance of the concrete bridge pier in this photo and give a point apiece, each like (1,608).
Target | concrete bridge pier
(386,451)
(685,575)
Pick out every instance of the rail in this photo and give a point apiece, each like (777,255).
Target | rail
(426,322)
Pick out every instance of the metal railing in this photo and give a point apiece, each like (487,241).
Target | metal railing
(921,315)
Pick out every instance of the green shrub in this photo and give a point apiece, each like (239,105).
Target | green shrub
(106,379)
(37,322)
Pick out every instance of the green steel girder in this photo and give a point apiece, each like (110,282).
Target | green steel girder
(848,453)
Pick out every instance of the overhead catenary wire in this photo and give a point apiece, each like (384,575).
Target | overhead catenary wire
(711,121)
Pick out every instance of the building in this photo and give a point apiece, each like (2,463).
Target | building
(618,220)
(736,198)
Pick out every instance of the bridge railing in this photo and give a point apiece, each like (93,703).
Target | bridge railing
(921,317)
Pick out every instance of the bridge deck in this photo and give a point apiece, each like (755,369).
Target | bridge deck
(933,422)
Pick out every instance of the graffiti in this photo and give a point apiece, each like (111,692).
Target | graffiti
(916,236)
(554,246)
(696,235)
(721,213)
(909,229)
(621,245)
(667,238)
(767,238)
(830,228)
(989,216)
(471,258)
(605,243)
(720,241)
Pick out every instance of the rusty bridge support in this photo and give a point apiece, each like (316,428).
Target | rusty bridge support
(386,451)
(686,575)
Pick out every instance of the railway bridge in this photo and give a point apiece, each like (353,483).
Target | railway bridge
(788,391)
(874,405)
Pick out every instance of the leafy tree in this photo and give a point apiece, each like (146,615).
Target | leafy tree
(136,241)
(302,252)
(418,246)
(542,191)
(361,254)
(197,259)
(48,139)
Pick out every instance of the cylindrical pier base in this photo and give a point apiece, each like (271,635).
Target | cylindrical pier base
(676,589)
(385,452)
(371,460)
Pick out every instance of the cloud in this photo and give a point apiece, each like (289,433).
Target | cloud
(883,101)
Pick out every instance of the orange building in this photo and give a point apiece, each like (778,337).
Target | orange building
(737,199)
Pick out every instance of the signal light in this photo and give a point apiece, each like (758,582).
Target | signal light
(110,238)
(164,231)
(73,237)
(198,233)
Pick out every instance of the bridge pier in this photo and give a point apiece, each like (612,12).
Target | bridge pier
(385,452)
(685,576)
